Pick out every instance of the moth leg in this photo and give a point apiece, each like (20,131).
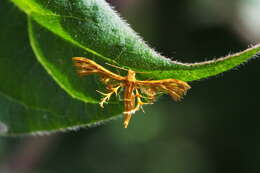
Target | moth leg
(120,98)
(140,103)
(108,95)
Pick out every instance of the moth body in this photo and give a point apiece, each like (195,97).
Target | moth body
(132,97)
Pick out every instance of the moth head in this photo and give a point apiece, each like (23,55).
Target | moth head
(131,74)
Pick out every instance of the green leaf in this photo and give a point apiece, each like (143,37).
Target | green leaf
(59,30)
(30,101)
(96,29)
(93,26)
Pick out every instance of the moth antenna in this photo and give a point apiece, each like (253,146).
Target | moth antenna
(119,55)
(117,67)
(142,72)
(125,68)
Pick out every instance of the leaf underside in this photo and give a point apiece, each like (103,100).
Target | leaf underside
(60,30)
(98,33)
(30,101)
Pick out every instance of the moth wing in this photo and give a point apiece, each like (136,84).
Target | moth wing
(86,66)
(175,88)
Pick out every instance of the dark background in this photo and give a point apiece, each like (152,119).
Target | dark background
(215,129)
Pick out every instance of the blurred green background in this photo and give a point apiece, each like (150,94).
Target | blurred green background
(214,129)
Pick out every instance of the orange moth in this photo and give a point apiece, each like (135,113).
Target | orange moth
(135,91)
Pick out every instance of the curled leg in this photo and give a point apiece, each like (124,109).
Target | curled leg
(139,104)
(108,95)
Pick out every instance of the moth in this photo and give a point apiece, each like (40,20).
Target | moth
(135,91)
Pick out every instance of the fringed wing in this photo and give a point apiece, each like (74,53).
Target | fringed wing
(111,80)
(86,66)
(175,88)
